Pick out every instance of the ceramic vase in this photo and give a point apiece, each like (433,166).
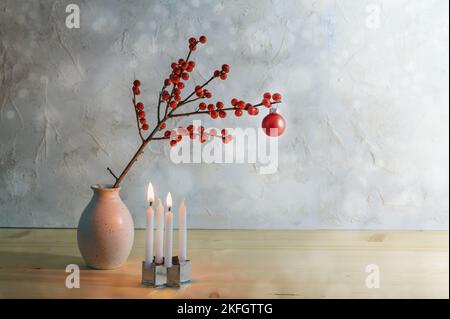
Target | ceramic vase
(105,230)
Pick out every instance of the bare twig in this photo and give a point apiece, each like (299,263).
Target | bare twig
(111,172)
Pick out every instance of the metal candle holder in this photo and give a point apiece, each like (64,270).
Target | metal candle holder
(179,273)
(153,275)
(158,275)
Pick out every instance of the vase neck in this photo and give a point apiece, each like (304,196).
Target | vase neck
(105,191)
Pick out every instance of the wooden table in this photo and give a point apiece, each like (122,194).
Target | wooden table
(239,264)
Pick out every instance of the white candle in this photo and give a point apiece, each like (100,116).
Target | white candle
(149,229)
(159,233)
(168,231)
(182,232)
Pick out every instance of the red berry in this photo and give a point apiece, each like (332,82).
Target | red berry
(141,114)
(240,105)
(166,96)
(256,111)
(238,113)
(142,120)
(234,101)
(173,104)
(222,114)
(174,65)
(163,126)
(177,98)
(207,94)
(167,134)
(202,39)
(185,76)
(181,61)
(216,73)
(193,47)
(191,136)
(210,107)
(167,82)
(140,106)
(203,138)
(173,143)
(136,90)
(202,106)
(201,129)
(276,97)
(137,83)
(176,90)
(267,95)
(190,128)
(145,127)
(191,64)
(177,71)
(219,105)
(225,68)
(199,93)
(251,110)
(213,114)
(223,76)
(174,78)
(192,40)
(179,138)
(248,105)
(180,85)
(224,132)
(266,102)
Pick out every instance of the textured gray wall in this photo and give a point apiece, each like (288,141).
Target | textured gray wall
(366,101)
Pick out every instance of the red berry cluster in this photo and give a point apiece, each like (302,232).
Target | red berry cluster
(193,42)
(222,74)
(269,98)
(202,93)
(192,132)
(240,106)
(180,72)
(139,106)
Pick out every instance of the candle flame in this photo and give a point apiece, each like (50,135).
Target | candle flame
(169,201)
(150,193)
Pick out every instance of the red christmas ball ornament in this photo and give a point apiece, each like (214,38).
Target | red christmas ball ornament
(274,124)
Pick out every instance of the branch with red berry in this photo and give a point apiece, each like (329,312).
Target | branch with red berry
(172,105)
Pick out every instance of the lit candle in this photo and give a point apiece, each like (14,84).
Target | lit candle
(182,232)
(159,233)
(168,231)
(149,231)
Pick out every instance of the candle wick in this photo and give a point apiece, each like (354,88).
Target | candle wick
(150,204)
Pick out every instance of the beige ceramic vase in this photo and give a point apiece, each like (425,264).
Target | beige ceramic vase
(105,230)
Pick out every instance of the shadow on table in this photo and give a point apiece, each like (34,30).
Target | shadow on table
(9,259)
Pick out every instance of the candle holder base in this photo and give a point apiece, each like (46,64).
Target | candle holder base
(153,275)
(179,273)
